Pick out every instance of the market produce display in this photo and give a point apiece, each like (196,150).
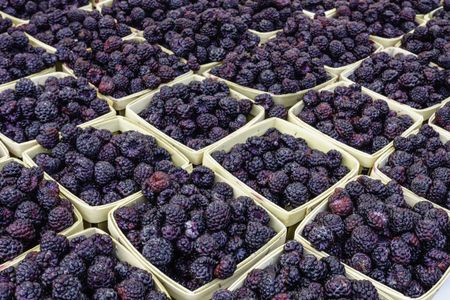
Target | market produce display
(145,118)
(82,268)
(30,206)
(369,226)
(193,228)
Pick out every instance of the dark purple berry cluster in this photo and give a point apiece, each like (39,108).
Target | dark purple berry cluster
(29,207)
(283,168)
(331,42)
(421,163)
(269,15)
(5,24)
(123,67)
(272,110)
(444,13)
(353,118)
(273,68)
(403,78)
(318,6)
(202,37)
(25,9)
(19,59)
(197,114)
(192,228)
(99,167)
(30,111)
(442,117)
(299,275)
(139,13)
(431,42)
(73,29)
(383,18)
(82,268)
(369,226)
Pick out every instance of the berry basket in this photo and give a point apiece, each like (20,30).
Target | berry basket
(294,216)
(195,156)
(17,149)
(435,126)
(4,154)
(177,290)
(76,226)
(98,214)
(108,3)
(18,21)
(120,103)
(120,252)
(287,100)
(328,13)
(264,36)
(365,159)
(43,72)
(425,112)
(410,200)
(431,14)
(382,160)
(52,49)
(274,256)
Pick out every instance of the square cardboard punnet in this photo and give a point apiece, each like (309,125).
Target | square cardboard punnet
(391,51)
(76,226)
(180,292)
(4,154)
(16,148)
(288,217)
(120,252)
(99,214)
(365,159)
(383,159)
(119,104)
(18,21)
(393,294)
(432,122)
(195,156)
(274,257)
(287,100)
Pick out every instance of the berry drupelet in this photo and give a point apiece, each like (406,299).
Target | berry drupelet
(431,42)
(202,37)
(37,111)
(83,268)
(325,41)
(197,114)
(20,59)
(383,18)
(119,68)
(26,9)
(74,29)
(29,207)
(403,78)
(299,275)
(369,226)
(353,118)
(282,168)
(420,163)
(192,228)
(100,167)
